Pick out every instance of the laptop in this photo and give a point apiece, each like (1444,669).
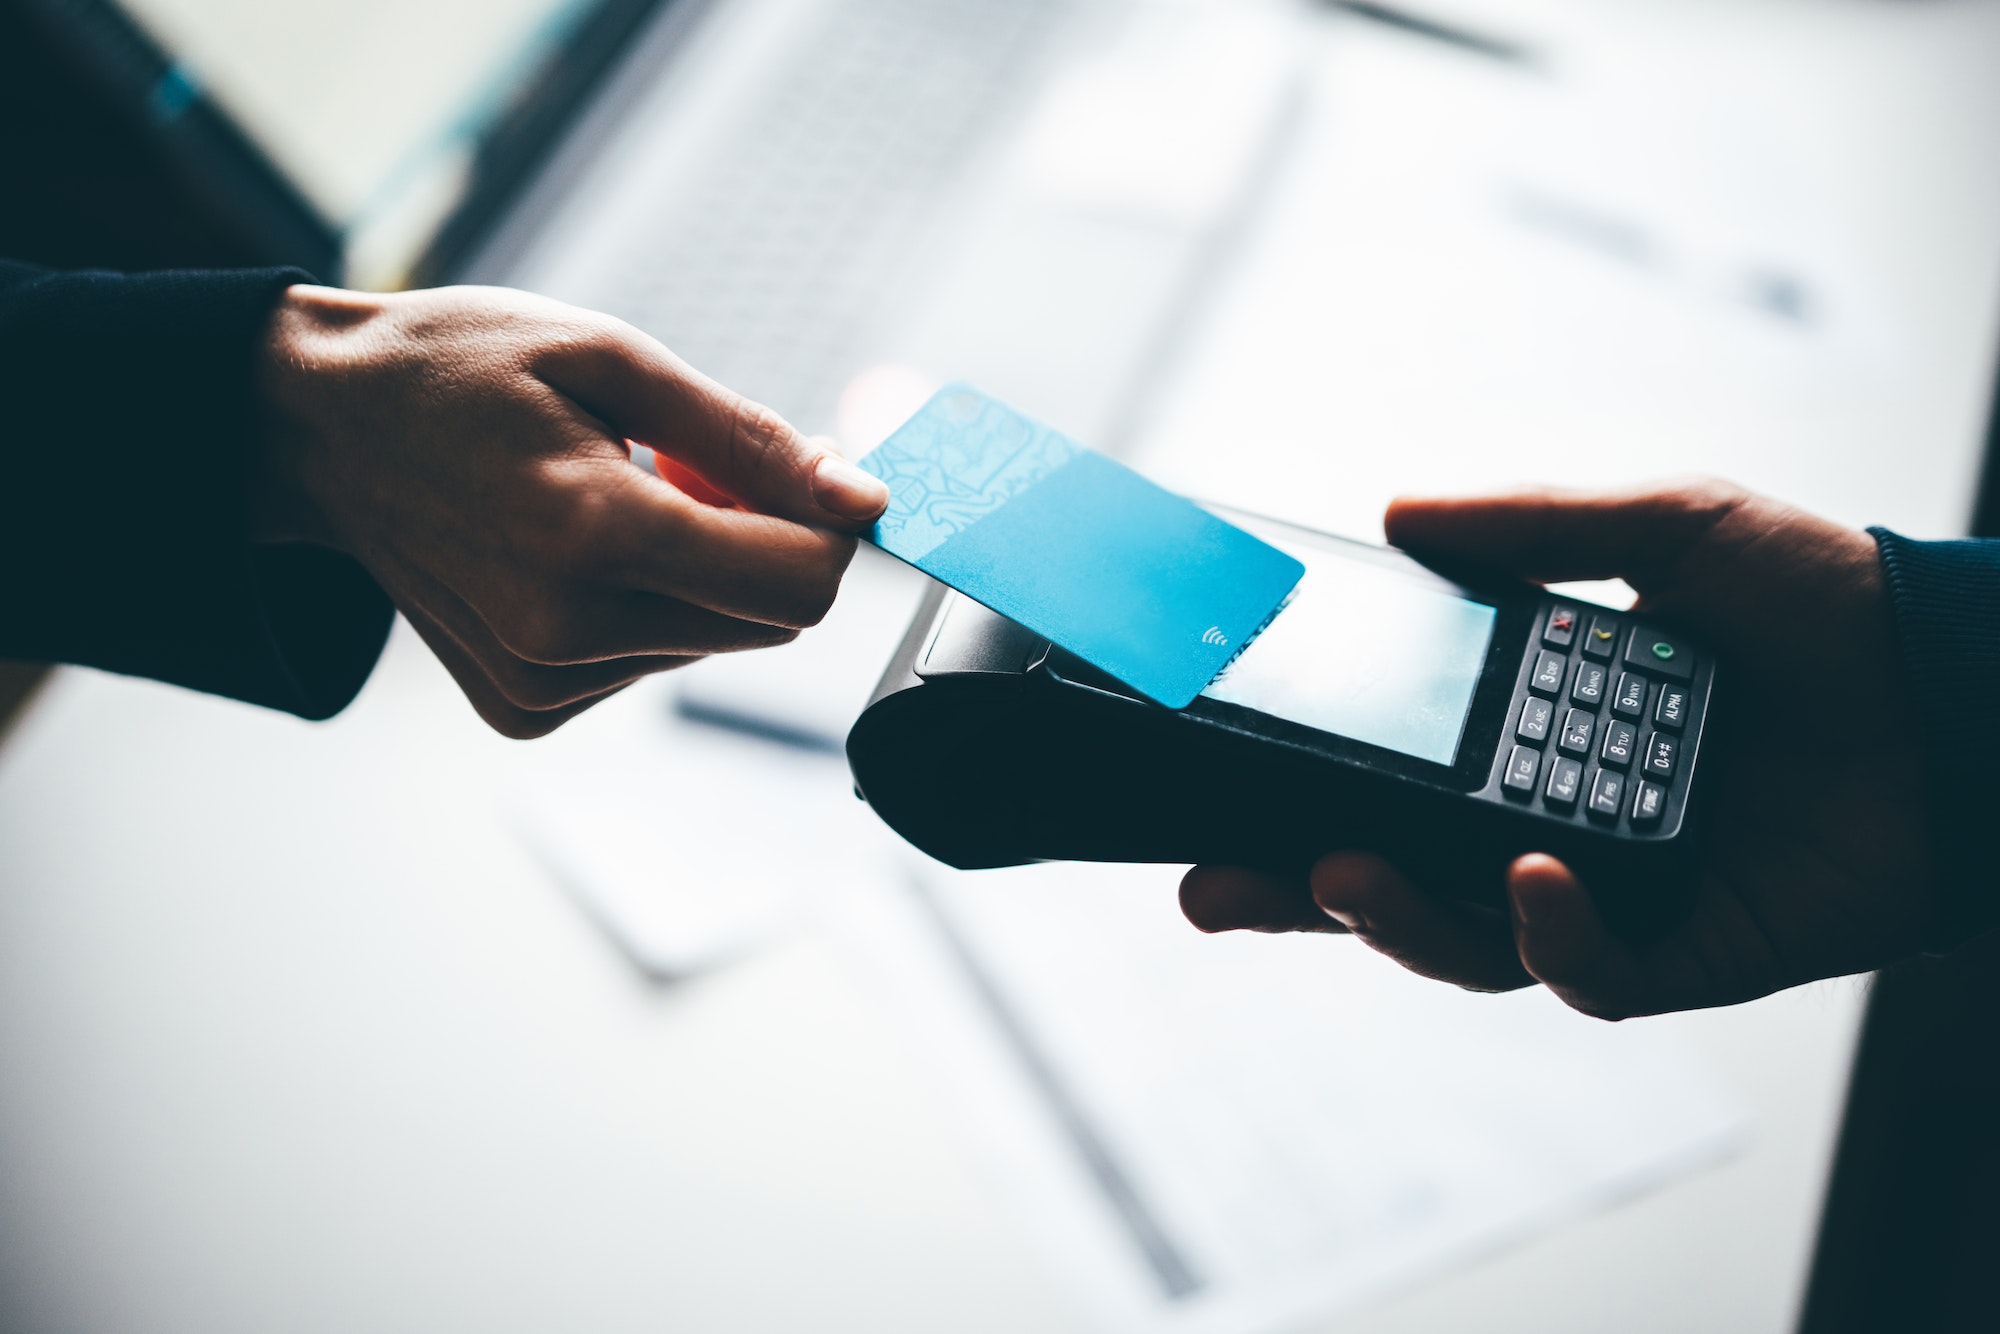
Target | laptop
(823,203)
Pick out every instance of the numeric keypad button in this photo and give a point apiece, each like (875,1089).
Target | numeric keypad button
(1577,727)
(1548,677)
(1565,781)
(1588,688)
(1536,715)
(1621,739)
(1522,766)
(1629,700)
(1607,794)
(1663,754)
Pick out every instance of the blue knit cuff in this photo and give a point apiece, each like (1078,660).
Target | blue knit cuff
(1946,602)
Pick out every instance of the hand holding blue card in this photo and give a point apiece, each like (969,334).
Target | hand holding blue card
(1133,579)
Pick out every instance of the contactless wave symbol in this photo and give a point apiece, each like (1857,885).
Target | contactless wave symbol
(1213,635)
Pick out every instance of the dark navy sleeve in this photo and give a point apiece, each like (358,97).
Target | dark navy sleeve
(127,412)
(1946,598)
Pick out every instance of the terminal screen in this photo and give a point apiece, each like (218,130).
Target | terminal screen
(1366,652)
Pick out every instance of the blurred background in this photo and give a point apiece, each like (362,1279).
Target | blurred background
(389,1024)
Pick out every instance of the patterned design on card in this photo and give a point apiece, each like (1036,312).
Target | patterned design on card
(959,459)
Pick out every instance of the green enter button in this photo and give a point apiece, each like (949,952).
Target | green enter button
(1659,654)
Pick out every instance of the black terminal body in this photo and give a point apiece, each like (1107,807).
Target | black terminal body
(985,746)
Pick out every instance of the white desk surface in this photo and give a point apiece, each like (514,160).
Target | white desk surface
(293,1035)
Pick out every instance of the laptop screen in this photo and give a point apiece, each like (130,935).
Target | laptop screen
(390,118)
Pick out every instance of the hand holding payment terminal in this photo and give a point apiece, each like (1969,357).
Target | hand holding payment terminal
(1448,725)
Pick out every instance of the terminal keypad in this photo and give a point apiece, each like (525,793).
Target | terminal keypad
(1600,723)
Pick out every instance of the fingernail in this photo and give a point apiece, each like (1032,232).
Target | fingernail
(843,489)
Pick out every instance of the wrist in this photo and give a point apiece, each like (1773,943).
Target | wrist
(302,370)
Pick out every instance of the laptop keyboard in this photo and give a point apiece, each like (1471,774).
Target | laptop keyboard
(772,268)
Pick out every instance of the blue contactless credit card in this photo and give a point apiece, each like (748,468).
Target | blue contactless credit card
(1131,578)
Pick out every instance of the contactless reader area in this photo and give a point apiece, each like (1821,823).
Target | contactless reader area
(1366,651)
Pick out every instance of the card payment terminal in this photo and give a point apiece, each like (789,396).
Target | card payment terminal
(1448,723)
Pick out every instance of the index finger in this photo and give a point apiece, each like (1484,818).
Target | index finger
(646,393)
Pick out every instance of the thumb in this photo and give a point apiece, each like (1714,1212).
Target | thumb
(1639,535)
(740,448)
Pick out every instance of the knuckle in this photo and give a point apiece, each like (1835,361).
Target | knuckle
(610,336)
(1700,502)
(812,607)
(1357,886)
(608,347)
(789,605)
(566,334)
(540,633)
(526,722)
(534,688)
(517,724)
(819,581)
(755,424)
(757,437)
(1601,1007)
(1679,519)
(534,726)
(743,638)
(1495,985)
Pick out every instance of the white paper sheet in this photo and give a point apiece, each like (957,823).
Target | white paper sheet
(1233,1133)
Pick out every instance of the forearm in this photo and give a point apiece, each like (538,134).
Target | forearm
(1946,597)
(128,434)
